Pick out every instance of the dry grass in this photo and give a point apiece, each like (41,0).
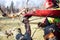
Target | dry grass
(7,23)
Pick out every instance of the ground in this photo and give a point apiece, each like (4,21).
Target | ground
(8,23)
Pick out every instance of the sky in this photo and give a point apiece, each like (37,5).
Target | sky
(22,3)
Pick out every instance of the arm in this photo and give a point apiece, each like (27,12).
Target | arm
(27,25)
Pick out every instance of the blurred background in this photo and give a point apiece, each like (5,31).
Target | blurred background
(7,23)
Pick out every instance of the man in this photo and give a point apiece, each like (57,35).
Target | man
(51,28)
(48,29)
(27,35)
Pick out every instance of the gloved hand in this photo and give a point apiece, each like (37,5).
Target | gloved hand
(25,20)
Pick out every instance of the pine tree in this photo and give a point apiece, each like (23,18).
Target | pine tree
(12,6)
